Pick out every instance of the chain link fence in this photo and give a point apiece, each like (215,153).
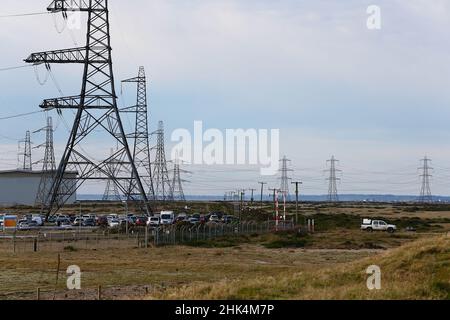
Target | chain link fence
(138,237)
(182,234)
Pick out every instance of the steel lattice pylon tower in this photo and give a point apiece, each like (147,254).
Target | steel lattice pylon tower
(48,167)
(26,163)
(285,180)
(425,191)
(332,179)
(177,182)
(111,191)
(96,108)
(163,189)
(141,151)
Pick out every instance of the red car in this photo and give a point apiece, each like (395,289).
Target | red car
(141,221)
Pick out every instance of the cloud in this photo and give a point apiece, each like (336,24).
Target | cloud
(310,68)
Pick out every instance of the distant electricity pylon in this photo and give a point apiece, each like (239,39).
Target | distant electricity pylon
(97,113)
(332,180)
(24,156)
(285,180)
(141,151)
(177,183)
(425,191)
(48,166)
(163,188)
(111,191)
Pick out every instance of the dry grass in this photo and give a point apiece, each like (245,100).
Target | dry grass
(418,270)
(157,268)
(329,265)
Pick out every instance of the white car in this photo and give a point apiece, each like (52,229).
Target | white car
(113,223)
(65,225)
(38,219)
(214,218)
(153,221)
(377,225)
(26,226)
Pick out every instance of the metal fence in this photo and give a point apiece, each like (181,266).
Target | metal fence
(134,238)
(68,241)
(182,234)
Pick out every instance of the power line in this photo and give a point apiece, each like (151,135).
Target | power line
(15,68)
(15,15)
(22,115)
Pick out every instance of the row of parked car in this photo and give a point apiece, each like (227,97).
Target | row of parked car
(68,222)
(169,217)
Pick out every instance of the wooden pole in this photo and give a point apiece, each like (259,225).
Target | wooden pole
(99,293)
(57,276)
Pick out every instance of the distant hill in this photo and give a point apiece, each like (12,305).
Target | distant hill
(308,198)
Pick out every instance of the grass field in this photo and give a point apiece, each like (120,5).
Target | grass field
(329,264)
(418,270)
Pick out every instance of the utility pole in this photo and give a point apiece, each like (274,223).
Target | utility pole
(262,191)
(284,188)
(25,163)
(96,110)
(163,188)
(425,191)
(332,179)
(48,167)
(241,206)
(297,183)
(141,137)
(252,199)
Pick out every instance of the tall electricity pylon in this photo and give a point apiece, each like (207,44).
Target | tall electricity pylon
(332,180)
(163,188)
(285,180)
(177,182)
(48,167)
(25,162)
(141,150)
(96,108)
(111,191)
(425,191)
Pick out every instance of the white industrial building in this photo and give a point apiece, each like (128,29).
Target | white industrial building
(20,187)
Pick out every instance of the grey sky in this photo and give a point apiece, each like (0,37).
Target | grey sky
(377,100)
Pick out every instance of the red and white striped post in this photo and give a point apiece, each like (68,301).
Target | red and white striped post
(277,207)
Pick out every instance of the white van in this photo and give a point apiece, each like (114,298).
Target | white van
(167,217)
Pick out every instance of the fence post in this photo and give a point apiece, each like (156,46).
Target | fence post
(99,293)
(38,294)
(14,242)
(174,228)
(35,245)
(137,239)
